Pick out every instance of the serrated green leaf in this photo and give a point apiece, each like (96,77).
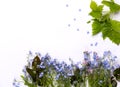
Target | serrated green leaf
(114,37)
(100,8)
(96,14)
(96,10)
(93,5)
(115,25)
(96,27)
(113,6)
(107,31)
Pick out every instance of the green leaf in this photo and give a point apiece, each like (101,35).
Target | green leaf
(113,6)
(96,14)
(32,74)
(96,10)
(100,8)
(93,5)
(102,22)
(116,73)
(26,82)
(107,31)
(114,37)
(96,27)
(115,25)
(36,62)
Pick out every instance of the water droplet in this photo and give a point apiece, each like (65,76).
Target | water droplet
(88,32)
(74,19)
(96,44)
(79,10)
(78,29)
(67,5)
(69,25)
(91,44)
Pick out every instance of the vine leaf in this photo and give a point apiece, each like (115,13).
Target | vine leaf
(102,23)
(112,5)
(115,25)
(93,5)
(96,27)
(96,10)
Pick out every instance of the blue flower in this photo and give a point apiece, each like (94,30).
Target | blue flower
(113,58)
(30,53)
(94,64)
(106,64)
(95,56)
(106,53)
(86,55)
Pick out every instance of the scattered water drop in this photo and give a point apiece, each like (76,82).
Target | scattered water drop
(79,10)
(91,44)
(78,29)
(74,19)
(69,25)
(96,44)
(88,32)
(67,5)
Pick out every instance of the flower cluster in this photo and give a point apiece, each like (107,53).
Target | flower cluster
(99,70)
(47,72)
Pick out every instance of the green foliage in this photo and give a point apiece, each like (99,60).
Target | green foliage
(96,10)
(117,74)
(115,25)
(102,23)
(112,5)
(99,72)
(27,83)
(99,78)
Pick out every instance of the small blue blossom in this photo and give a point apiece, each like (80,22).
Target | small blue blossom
(94,64)
(95,56)
(86,55)
(106,64)
(30,53)
(106,53)
(41,74)
(96,44)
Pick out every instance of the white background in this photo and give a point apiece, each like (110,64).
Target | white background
(42,26)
